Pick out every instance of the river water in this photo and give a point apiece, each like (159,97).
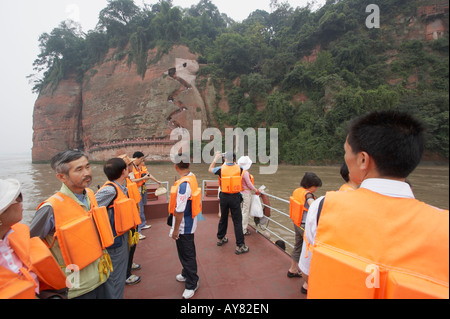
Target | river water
(430,183)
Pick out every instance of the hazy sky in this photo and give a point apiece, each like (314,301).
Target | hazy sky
(21,24)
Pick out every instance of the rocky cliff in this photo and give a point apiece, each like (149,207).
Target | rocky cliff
(115,110)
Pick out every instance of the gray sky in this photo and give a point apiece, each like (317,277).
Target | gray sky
(21,24)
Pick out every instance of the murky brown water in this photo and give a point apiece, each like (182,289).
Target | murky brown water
(430,183)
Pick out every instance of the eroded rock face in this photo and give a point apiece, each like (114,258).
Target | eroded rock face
(115,110)
(56,121)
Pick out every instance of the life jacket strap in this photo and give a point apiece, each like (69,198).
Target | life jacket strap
(104,266)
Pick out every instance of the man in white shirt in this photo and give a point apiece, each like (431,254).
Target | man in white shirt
(382,186)
(188,225)
(184,225)
(381,151)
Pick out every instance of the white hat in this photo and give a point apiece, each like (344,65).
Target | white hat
(126,159)
(245,163)
(9,191)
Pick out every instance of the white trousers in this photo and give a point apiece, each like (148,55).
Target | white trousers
(246,205)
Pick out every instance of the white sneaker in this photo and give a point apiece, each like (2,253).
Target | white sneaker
(188,294)
(146,227)
(141,237)
(180,278)
(133,280)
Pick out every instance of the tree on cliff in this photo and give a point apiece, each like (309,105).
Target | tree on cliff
(61,54)
(118,11)
(116,19)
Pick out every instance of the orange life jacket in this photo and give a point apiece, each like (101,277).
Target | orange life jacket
(103,225)
(16,286)
(196,195)
(126,213)
(75,230)
(133,191)
(375,247)
(231,179)
(37,258)
(297,205)
(139,172)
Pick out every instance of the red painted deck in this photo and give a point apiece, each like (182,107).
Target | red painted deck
(259,274)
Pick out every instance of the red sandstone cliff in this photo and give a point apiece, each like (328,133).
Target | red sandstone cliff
(114,110)
(56,121)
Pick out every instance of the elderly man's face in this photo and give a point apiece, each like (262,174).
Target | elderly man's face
(79,176)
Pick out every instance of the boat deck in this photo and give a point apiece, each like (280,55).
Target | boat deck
(259,274)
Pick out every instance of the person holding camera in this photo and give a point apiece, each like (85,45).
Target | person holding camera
(230,181)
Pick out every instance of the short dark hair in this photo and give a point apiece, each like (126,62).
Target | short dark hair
(394,140)
(59,161)
(310,179)
(183,161)
(113,168)
(345,173)
(228,156)
(138,155)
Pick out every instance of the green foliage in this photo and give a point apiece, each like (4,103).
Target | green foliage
(116,19)
(138,50)
(279,110)
(118,12)
(62,53)
(271,60)
(256,86)
(232,54)
(433,110)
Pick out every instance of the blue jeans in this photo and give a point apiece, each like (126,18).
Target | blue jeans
(141,209)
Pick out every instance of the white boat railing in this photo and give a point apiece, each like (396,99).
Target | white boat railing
(271,219)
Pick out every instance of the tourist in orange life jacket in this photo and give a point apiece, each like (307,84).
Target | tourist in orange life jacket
(140,176)
(133,192)
(248,185)
(109,195)
(230,180)
(349,185)
(378,241)
(27,267)
(301,200)
(185,206)
(59,220)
